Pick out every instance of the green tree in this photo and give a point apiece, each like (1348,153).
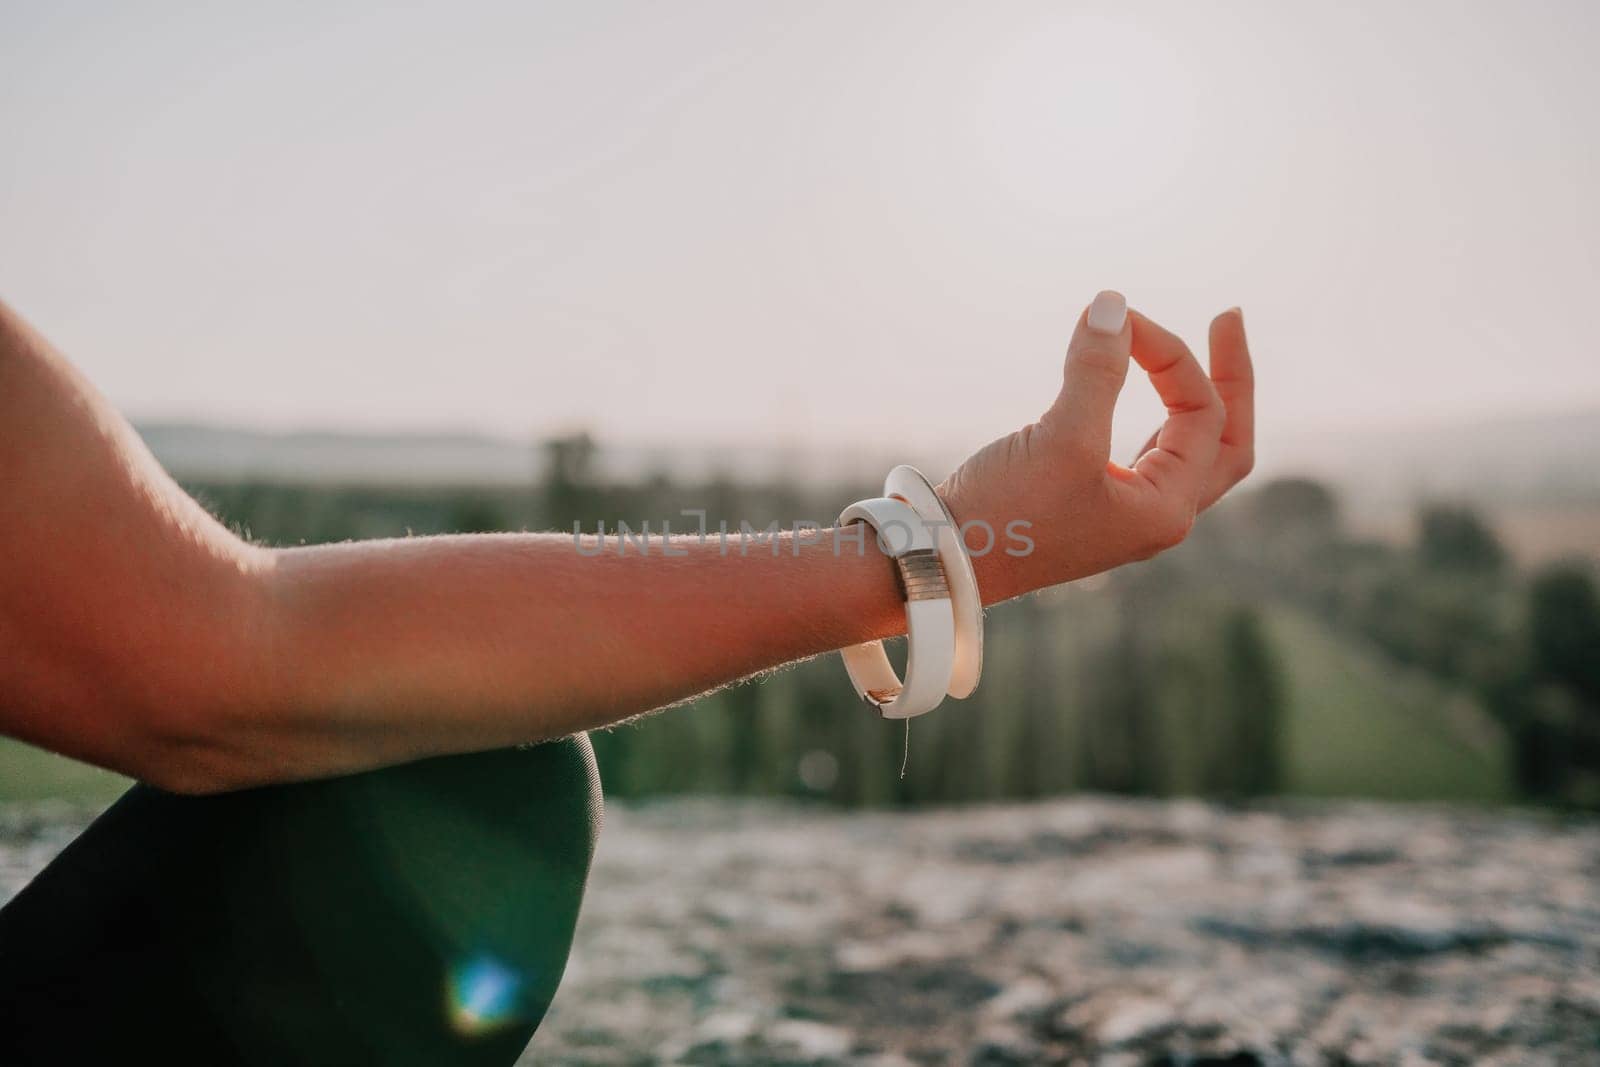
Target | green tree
(475,515)
(1298,508)
(1564,629)
(1121,746)
(568,477)
(1456,538)
(1551,703)
(1254,687)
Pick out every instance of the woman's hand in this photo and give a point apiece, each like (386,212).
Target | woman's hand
(1084,513)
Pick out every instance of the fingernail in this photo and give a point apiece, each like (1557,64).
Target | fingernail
(1108,312)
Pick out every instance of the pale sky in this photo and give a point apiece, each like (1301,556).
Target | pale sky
(713,220)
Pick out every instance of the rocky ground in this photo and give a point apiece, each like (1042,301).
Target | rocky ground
(1080,931)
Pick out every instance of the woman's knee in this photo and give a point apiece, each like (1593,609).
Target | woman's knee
(417,914)
(485,859)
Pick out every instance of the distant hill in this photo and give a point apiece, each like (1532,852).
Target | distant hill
(205,452)
(220,453)
(1544,459)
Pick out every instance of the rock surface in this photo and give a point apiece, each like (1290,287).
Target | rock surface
(1076,931)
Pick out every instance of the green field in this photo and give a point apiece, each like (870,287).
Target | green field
(26,773)
(1361,727)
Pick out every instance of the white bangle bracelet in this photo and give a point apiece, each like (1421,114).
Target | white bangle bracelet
(944,622)
(908,484)
(930,624)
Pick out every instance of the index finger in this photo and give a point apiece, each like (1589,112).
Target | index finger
(1188,441)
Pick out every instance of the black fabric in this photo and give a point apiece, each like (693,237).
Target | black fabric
(419,914)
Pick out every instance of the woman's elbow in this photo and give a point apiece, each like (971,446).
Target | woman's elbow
(198,751)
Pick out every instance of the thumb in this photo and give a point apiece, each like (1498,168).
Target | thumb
(1097,365)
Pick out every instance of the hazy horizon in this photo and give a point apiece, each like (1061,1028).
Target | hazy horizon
(715,221)
(1506,461)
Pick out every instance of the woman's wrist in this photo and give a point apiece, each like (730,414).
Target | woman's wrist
(993,548)
(852,584)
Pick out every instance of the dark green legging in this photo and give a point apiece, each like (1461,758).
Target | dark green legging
(415,915)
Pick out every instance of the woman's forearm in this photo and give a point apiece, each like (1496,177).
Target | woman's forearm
(389,650)
(140,634)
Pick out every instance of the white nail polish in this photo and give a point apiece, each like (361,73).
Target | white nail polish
(1108,312)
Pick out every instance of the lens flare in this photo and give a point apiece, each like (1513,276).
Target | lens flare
(483,995)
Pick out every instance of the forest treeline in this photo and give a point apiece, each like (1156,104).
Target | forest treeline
(1162,678)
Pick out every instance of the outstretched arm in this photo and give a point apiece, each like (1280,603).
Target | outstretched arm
(142,635)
